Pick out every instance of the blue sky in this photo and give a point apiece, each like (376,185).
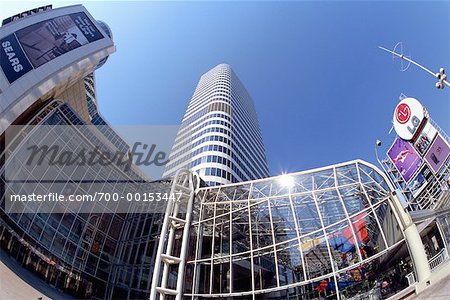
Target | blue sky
(323,90)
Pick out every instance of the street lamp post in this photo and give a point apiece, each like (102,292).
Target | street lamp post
(441,76)
(378,144)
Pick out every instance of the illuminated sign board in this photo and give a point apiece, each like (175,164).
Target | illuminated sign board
(438,153)
(408,118)
(37,44)
(420,181)
(405,158)
(426,136)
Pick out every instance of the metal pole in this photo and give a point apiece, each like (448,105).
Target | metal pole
(414,242)
(162,237)
(378,144)
(414,63)
(185,240)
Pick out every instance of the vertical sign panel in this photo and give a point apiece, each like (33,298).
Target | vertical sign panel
(438,153)
(405,158)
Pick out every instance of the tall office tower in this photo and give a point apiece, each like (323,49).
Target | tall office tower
(219,137)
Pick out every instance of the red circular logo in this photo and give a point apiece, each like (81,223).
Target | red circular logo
(403,113)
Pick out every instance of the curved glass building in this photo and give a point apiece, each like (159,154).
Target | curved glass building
(327,232)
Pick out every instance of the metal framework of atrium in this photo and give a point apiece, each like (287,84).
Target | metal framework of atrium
(329,231)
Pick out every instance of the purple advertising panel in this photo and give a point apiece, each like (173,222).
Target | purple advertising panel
(49,39)
(438,153)
(405,158)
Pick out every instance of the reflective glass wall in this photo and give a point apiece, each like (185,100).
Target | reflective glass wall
(79,247)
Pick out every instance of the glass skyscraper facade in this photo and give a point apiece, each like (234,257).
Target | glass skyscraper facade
(73,248)
(220,137)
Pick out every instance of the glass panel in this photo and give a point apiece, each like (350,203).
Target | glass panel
(342,243)
(47,236)
(321,289)
(242,192)
(389,224)
(354,199)
(355,283)
(306,214)
(330,207)
(58,244)
(316,255)
(370,176)
(261,189)
(265,269)
(323,179)
(302,183)
(261,226)
(290,267)
(221,276)
(204,272)
(347,175)
(242,276)
(283,220)
(368,234)
(240,228)
(279,188)
(206,233)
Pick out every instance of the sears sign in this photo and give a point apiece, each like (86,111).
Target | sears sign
(409,117)
(12,59)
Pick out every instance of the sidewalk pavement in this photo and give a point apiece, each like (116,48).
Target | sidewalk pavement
(439,291)
(16,282)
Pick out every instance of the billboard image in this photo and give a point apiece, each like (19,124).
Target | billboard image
(46,40)
(34,45)
(425,138)
(420,181)
(438,153)
(405,158)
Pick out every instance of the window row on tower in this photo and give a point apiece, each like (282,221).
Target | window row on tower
(212,159)
(212,122)
(208,130)
(220,173)
(189,129)
(215,138)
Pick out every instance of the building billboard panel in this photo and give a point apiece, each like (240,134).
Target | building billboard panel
(420,181)
(49,39)
(405,158)
(438,153)
(425,138)
(42,42)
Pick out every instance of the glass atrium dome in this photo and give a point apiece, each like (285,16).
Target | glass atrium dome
(325,232)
